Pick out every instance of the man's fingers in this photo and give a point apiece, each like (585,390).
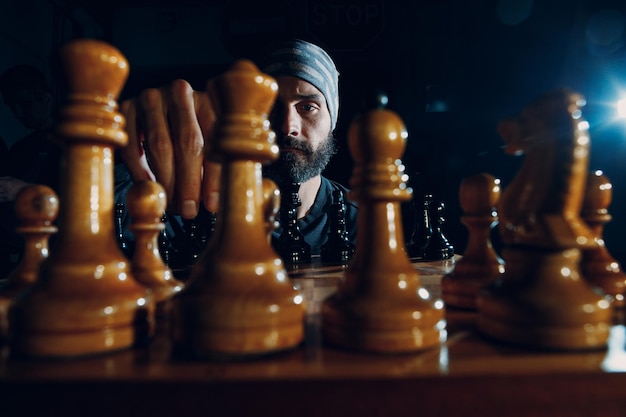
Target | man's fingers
(170,130)
(207,117)
(157,142)
(188,147)
(211,185)
(133,155)
(208,112)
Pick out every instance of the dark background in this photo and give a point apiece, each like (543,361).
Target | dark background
(451,69)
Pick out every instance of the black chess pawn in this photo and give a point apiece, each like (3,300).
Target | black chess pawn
(290,245)
(337,248)
(438,245)
(123,243)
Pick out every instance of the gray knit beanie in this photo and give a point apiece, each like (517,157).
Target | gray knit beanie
(311,63)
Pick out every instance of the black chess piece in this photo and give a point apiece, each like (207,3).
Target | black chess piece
(290,245)
(123,243)
(337,248)
(428,242)
(205,226)
(182,241)
(422,229)
(438,245)
(164,243)
(192,244)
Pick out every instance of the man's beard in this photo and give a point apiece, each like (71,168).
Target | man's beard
(302,166)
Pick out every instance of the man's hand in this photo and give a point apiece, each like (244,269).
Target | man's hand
(169,133)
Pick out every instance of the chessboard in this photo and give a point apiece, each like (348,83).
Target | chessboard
(319,280)
(484,377)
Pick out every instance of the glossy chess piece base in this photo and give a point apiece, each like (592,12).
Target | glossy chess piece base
(542,301)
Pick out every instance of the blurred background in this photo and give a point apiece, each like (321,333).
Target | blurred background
(451,69)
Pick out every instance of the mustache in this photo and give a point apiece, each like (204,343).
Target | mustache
(292,142)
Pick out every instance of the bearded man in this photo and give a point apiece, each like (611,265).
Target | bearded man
(304,118)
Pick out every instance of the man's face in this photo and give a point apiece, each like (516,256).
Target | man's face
(302,123)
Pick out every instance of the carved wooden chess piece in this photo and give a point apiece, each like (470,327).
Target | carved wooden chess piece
(146,205)
(541,300)
(597,264)
(86,300)
(480,263)
(337,248)
(239,300)
(380,306)
(36,207)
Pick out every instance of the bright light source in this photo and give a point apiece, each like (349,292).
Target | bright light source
(621,108)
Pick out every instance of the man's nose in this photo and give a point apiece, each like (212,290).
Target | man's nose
(290,123)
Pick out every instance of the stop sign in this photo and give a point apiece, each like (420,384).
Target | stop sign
(345,25)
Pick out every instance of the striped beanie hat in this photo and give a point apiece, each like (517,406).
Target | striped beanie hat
(311,63)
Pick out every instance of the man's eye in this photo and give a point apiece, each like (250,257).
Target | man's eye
(308,107)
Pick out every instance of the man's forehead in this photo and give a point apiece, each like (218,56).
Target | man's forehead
(289,86)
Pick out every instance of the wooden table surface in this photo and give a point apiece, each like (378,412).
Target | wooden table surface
(467,375)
